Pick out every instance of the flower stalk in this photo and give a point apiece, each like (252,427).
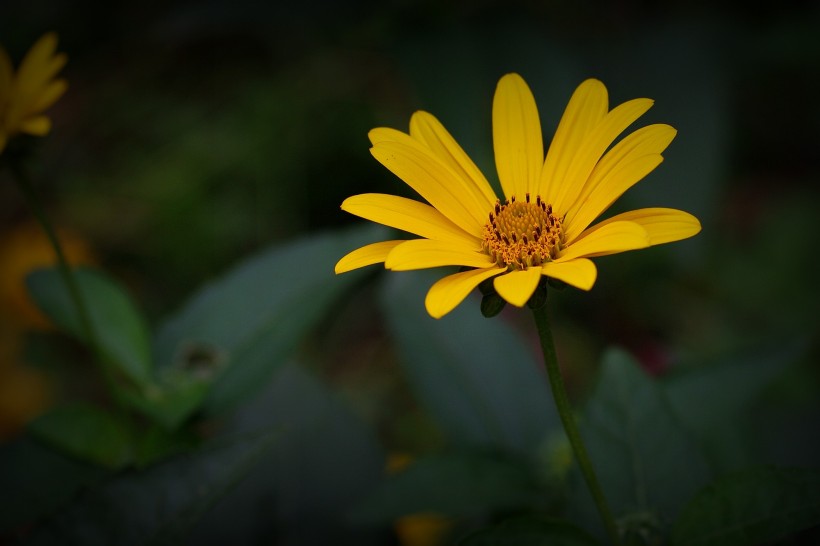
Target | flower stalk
(63,267)
(559,393)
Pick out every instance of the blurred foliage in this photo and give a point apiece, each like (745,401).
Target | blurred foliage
(246,395)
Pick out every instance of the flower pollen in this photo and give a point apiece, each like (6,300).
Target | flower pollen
(522,234)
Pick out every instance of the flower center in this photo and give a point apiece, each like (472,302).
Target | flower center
(522,234)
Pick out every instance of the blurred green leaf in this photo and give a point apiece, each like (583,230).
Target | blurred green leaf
(87,432)
(36,480)
(460,485)
(120,329)
(174,397)
(478,377)
(754,506)
(251,318)
(323,463)
(530,531)
(156,443)
(724,391)
(157,505)
(645,459)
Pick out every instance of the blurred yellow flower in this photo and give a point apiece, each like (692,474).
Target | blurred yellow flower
(25,95)
(23,250)
(541,227)
(25,391)
(424,529)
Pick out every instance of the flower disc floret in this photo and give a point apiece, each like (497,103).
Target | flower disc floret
(522,234)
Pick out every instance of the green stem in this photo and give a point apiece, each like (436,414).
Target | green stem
(559,393)
(62,264)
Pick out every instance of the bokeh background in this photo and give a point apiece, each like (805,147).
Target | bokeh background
(195,134)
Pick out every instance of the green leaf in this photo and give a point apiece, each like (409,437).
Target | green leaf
(530,531)
(120,329)
(724,391)
(87,432)
(170,401)
(754,506)
(645,460)
(157,443)
(256,314)
(460,485)
(36,480)
(157,505)
(323,463)
(478,377)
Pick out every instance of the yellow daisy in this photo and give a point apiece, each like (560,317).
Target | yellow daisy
(25,95)
(541,227)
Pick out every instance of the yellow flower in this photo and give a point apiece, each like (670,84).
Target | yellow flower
(541,226)
(24,249)
(422,529)
(25,95)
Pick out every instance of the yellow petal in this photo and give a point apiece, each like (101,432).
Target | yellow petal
(451,290)
(587,106)
(662,225)
(516,287)
(426,253)
(517,140)
(427,129)
(408,215)
(48,96)
(38,126)
(565,191)
(606,239)
(649,140)
(367,255)
(619,179)
(580,273)
(458,199)
(39,65)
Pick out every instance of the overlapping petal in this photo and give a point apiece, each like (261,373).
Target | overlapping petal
(408,215)
(373,253)
(662,225)
(426,253)
(620,179)
(517,140)
(460,200)
(451,290)
(40,64)
(604,186)
(606,239)
(587,106)
(516,287)
(429,130)
(562,194)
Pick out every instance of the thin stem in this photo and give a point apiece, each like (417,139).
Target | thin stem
(62,264)
(559,393)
